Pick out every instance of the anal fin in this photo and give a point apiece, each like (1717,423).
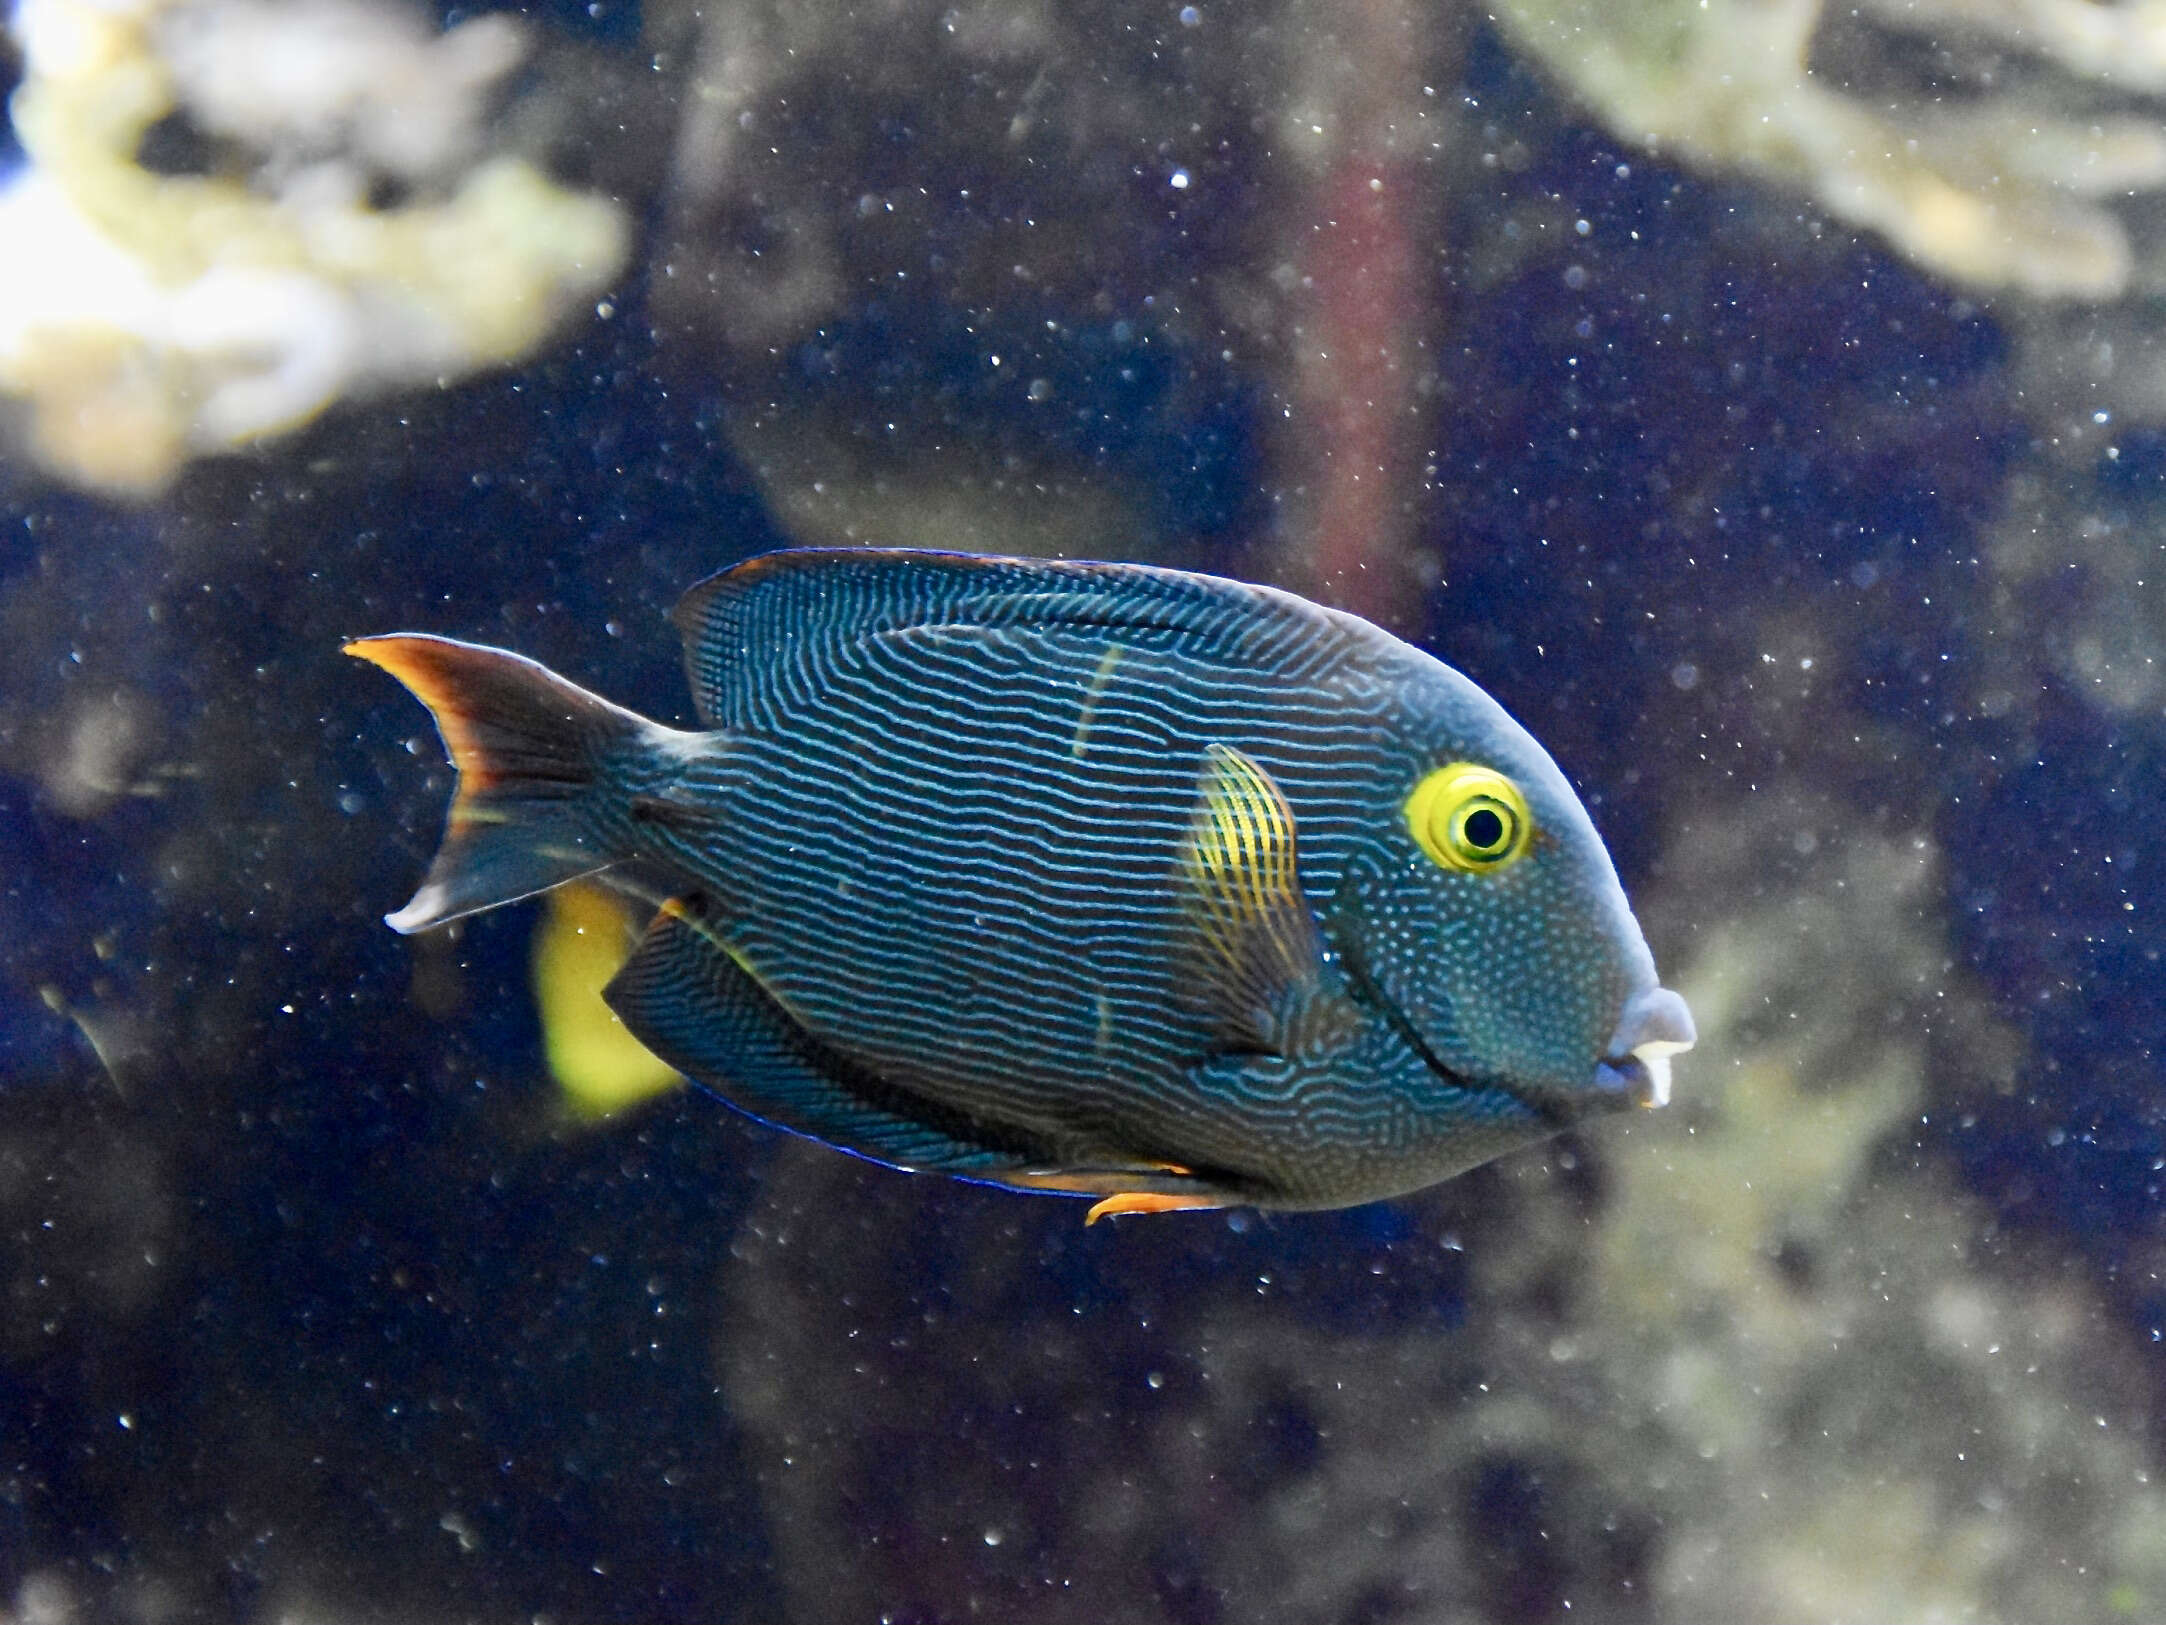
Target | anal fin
(686,996)
(1147,1202)
(1122,1186)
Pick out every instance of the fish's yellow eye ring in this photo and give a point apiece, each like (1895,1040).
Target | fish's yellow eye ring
(1470,818)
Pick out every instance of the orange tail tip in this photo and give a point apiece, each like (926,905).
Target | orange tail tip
(535,757)
(429,668)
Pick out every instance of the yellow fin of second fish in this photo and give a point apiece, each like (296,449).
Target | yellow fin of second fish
(585,936)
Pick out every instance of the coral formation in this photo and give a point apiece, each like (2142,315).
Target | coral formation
(1853,1398)
(1980,171)
(151,311)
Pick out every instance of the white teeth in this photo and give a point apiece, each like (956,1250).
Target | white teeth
(1655,1056)
(1655,1048)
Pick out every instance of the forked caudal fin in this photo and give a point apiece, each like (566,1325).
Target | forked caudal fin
(542,764)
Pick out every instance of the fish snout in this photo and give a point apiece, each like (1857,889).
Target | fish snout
(1635,1065)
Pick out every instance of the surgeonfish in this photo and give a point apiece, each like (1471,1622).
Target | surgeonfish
(584,937)
(1101,879)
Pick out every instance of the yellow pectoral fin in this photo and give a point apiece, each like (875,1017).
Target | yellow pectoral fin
(1147,1202)
(1249,941)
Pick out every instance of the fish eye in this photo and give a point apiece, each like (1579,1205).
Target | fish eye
(1470,818)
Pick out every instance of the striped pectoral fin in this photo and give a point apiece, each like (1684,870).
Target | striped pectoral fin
(1248,949)
(689,1000)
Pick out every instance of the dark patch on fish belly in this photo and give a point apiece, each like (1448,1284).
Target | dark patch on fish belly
(877,1090)
(692,999)
(667,812)
(965,1128)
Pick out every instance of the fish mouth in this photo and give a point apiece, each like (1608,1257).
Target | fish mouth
(1654,1025)
(1633,1069)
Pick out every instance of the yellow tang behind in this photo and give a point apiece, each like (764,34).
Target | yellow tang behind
(584,938)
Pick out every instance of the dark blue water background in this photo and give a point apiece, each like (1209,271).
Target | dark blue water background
(451,1329)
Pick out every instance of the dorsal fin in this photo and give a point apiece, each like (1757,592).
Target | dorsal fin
(760,635)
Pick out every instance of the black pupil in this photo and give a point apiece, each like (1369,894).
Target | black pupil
(1485,829)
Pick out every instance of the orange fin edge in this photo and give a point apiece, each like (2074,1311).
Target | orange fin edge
(1147,1202)
(428,666)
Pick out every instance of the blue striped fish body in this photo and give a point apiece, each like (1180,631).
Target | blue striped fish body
(1084,877)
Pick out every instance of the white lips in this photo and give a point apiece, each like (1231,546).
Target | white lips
(1654,1025)
(1655,1056)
